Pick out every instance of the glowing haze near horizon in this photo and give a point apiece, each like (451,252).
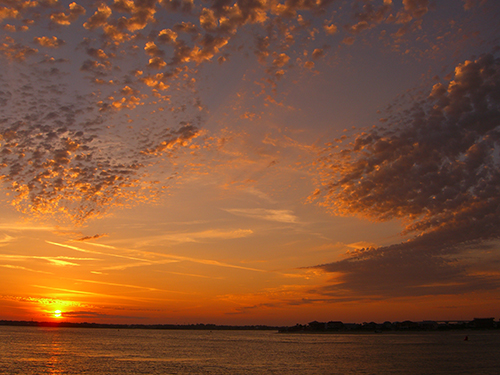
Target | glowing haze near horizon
(250,161)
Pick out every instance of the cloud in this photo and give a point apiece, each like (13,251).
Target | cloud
(435,166)
(6,239)
(27,227)
(87,314)
(15,51)
(417,8)
(210,262)
(66,18)
(63,154)
(317,53)
(24,269)
(90,238)
(60,162)
(54,260)
(78,292)
(330,29)
(99,18)
(420,267)
(151,258)
(45,41)
(97,252)
(137,264)
(44,301)
(122,285)
(282,216)
(200,236)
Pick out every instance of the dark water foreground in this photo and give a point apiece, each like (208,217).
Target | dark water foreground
(46,350)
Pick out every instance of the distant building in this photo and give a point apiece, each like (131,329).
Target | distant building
(335,326)
(317,326)
(483,323)
(429,325)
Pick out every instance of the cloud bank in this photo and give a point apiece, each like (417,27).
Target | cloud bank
(436,167)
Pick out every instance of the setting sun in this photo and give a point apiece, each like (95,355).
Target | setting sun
(57,314)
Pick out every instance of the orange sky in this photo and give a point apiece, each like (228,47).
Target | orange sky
(268,162)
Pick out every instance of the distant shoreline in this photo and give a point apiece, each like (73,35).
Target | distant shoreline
(312,327)
(209,327)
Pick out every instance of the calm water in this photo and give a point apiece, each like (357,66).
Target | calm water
(30,350)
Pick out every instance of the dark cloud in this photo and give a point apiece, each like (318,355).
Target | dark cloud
(369,16)
(90,238)
(436,167)
(16,51)
(184,6)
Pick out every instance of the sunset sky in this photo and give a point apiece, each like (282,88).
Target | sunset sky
(249,162)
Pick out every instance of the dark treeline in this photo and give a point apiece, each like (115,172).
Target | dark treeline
(407,325)
(199,326)
(315,326)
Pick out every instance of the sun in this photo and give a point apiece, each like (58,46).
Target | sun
(57,314)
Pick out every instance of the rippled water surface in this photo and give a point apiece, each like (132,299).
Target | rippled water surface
(31,350)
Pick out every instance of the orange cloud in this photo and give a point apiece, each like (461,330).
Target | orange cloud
(45,41)
(65,19)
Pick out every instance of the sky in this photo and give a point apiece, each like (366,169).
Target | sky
(249,162)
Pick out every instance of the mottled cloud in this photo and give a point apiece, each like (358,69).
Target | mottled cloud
(67,17)
(70,143)
(434,166)
(45,41)
(204,31)
(59,159)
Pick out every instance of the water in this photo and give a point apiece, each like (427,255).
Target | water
(33,350)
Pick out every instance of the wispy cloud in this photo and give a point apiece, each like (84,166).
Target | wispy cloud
(24,269)
(55,260)
(282,216)
(212,263)
(186,237)
(109,296)
(96,252)
(194,275)
(87,314)
(122,267)
(124,285)
(27,227)
(171,257)
(6,239)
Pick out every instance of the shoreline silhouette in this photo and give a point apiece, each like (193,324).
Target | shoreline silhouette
(312,327)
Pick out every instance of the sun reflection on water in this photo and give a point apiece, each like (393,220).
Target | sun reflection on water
(55,353)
